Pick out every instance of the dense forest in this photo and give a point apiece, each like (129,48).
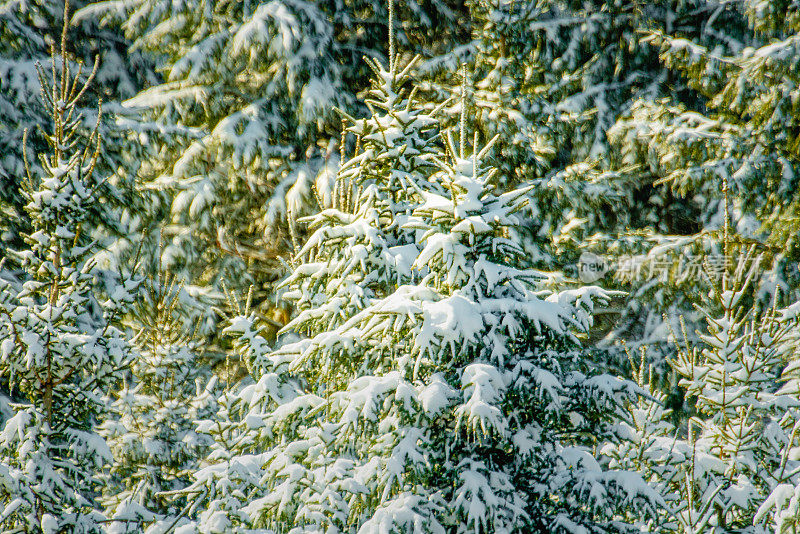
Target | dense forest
(400,266)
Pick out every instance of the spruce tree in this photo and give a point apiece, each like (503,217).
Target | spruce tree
(558,82)
(368,206)
(27,31)
(727,466)
(229,478)
(780,511)
(436,387)
(60,350)
(743,423)
(152,434)
(652,447)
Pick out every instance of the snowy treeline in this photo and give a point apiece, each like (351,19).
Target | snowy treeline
(294,266)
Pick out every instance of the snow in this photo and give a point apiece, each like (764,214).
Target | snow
(49,524)
(400,513)
(436,395)
(364,394)
(451,322)
(483,387)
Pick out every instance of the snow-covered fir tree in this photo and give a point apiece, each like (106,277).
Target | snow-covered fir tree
(743,430)
(394,150)
(734,456)
(558,82)
(230,471)
(28,29)
(651,446)
(436,387)
(59,348)
(152,436)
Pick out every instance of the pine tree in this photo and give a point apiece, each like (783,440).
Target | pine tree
(742,433)
(60,350)
(27,31)
(435,388)
(153,436)
(730,466)
(229,473)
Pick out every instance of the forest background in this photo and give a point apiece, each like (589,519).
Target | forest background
(209,208)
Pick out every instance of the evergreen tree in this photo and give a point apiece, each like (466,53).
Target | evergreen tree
(558,82)
(748,131)
(778,513)
(553,79)
(651,447)
(739,130)
(736,452)
(59,351)
(27,31)
(153,437)
(230,475)
(742,421)
(368,206)
(436,388)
